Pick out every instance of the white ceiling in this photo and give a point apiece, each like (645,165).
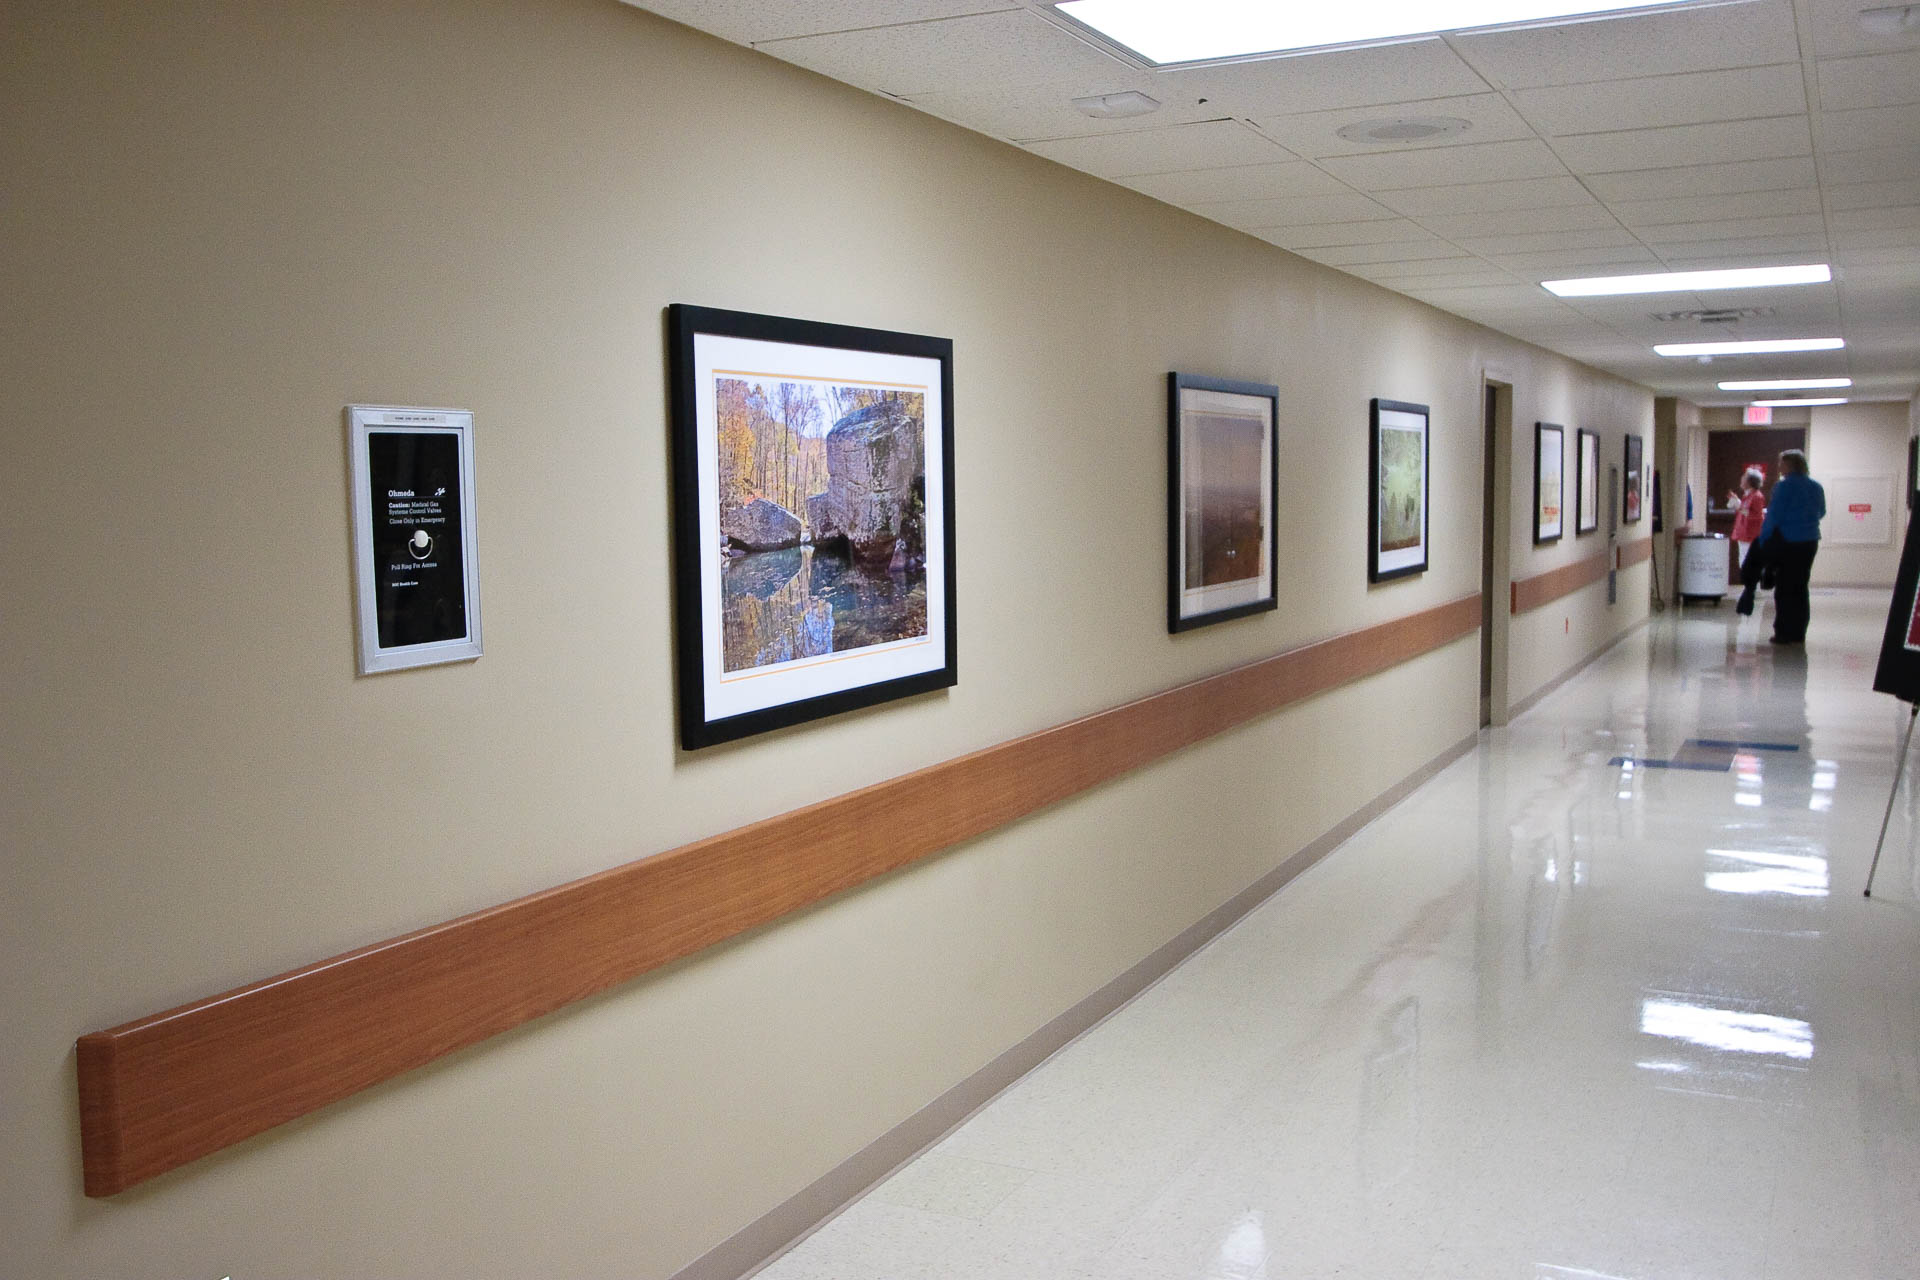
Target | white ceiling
(1757,132)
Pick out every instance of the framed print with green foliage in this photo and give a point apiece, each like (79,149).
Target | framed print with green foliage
(1586,483)
(1222,483)
(1398,492)
(1549,481)
(812,517)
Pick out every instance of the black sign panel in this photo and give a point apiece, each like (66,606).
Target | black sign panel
(1899,670)
(419,588)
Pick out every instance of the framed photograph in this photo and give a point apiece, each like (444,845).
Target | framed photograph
(415,548)
(1223,479)
(813,519)
(1632,478)
(1586,483)
(1397,496)
(1549,481)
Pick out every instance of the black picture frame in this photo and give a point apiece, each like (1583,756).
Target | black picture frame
(732,679)
(1631,481)
(1391,552)
(1913,468)
(1214,421)
(1549,502)
(1586,482)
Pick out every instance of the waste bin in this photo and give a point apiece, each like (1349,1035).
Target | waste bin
(1704,566)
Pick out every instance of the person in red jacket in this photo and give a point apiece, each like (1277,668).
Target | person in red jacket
(1752,512)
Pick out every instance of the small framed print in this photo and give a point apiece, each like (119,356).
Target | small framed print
(1630,513)
(1549,481)
(1398,494)
(812,517)
(1586,483)
(1222,486)
(415,545)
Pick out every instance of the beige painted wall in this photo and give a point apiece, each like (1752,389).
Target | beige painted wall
(1859,440)
(225,223)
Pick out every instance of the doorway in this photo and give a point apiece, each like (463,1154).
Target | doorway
(1729,454)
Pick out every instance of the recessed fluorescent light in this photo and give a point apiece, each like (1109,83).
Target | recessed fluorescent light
(1198,30)
(1686,281)
(1747,348)
(1786,384)
(1788,404)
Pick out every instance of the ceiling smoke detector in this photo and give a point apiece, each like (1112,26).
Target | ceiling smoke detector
(1717,315)
(1404,129)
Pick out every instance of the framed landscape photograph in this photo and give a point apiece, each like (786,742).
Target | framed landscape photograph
(1222,485)
(1397,496)
(1549,481)
(1586,483)
(1631,513)
(812,516)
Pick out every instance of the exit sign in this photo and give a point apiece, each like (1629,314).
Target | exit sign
(1759,415)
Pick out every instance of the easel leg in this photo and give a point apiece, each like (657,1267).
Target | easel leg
(1899,769)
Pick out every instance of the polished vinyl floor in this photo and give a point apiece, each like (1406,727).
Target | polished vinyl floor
(1603,999)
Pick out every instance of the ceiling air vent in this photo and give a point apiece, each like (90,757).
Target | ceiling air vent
(1404,129)
(1718,315)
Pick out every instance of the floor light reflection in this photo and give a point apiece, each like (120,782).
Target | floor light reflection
(1729,1030)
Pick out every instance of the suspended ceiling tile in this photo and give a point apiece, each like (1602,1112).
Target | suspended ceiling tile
(1707,179)
(1836,29)
(1738,35)
(1655,101)
(1713,256)
(1242,182)
(1251,215)
(1442,166)
(1880,80)
(1410,72)
(1650,213)
(1541,242)
(1488,197)
(952,55)
(1415,269)
(1903,238)
(1873,219)
(1887,164)
(1045,111)
(1573,264)
(1215,144)
(1316,133)
(1521,221)
(1393,278)
(1873,195)
(1873,127)
(749,21)
(1795,224)
(1688,144)
(1400,251)
(1327,234)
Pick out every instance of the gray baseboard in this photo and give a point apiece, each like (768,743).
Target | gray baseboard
(760,1242)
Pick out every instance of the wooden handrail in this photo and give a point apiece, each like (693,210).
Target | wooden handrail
(1544,588)
(163,1090)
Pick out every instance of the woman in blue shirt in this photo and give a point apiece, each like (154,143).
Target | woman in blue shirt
(1794,512)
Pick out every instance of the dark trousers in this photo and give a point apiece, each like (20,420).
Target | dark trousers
(1792,564)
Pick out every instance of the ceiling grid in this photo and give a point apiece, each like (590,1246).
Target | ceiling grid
(1464,169)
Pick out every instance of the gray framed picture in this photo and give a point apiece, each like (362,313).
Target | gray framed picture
(1630,513)
(415,540)
(1398,494)
(1222,484)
